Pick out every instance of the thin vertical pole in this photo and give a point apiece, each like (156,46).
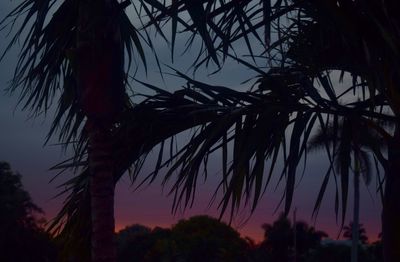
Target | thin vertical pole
(294,236)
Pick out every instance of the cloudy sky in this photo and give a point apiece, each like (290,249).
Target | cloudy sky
(22,145)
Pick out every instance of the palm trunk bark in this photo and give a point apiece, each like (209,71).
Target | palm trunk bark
(356,209)
(391,202)
(356,200)
(100,80)
(101,195)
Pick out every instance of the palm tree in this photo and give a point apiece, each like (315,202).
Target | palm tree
(282,99)
(285,96)
(305,43)
(375,66)
(319,36)
(323,35)
(77,48)
(223,115)
(347,142)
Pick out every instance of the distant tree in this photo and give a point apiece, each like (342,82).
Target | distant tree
(135,243)
(164,247)
(16,204)
(278,239)
(132,231)
(130,242)
(362,233)
(200,238)
(203,238)
(307,239)
(375,249)
(21,236)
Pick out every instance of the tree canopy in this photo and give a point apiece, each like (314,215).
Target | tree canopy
(22,237)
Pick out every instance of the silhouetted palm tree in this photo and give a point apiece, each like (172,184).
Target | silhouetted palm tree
(348,143)
(76,48)
(353,36)
(359,50)
(285,96)
(253,122)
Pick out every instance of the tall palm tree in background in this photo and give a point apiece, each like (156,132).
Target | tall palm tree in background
(362,38)
(349,144)
(302,41)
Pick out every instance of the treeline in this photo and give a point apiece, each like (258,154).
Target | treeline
(22,234)
(200,238)
(203,238)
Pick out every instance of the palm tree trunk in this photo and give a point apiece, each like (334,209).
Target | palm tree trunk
(100,79)
(391,202)
(101,195)
(356,209)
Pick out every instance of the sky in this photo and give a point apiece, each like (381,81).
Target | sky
(22,145)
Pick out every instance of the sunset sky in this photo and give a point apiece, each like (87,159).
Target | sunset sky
(22,145)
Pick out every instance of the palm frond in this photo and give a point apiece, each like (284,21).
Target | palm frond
(255,128)
(219,23)
(253,124)
(46,68)
(366,166)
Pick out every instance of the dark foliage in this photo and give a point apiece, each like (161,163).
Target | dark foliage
(202,238)
(278,243)
(21,235)
(348,233)
(199,238)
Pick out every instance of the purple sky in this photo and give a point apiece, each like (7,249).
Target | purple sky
(21,144)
